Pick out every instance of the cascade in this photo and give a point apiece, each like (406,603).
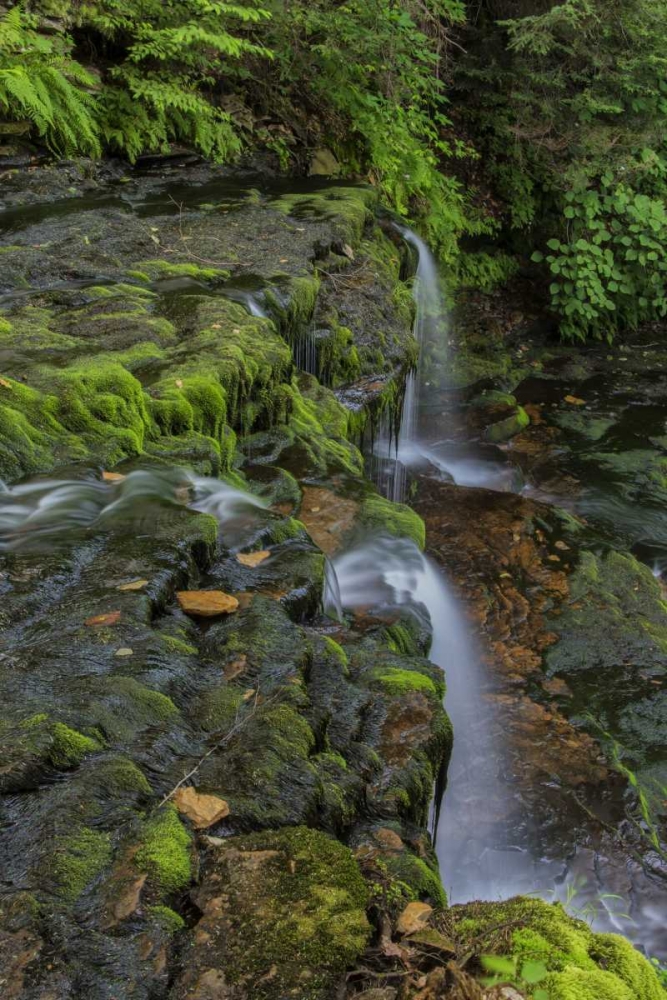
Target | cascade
(45,509)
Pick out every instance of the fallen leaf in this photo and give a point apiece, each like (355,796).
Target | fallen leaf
(252,559)
(235,668)
(5,384)
(315,510)
(575,401)
(414,918)
(348,251)
(179,383)
(108,619)
(124,651)
(216,326)
(250,693)
(202,810)
(206,603)
(283,260)
(133,585)
(563,546)
(113,477)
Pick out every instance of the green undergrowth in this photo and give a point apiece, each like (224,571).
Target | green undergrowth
(579,964)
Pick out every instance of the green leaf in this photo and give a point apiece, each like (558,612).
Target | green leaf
(500,965)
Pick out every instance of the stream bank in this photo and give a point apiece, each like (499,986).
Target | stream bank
(177,325)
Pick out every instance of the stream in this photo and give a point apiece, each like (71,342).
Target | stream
(490,840)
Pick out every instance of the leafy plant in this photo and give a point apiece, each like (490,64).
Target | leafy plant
(42,87)
(509,971)
(172,61)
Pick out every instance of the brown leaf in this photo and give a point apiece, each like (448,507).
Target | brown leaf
(575,401)
(236,667)
(348,251)
(113,477)
(206,603)
(252,559)
(5,384)
(111,618)
(133,585)
(414,918)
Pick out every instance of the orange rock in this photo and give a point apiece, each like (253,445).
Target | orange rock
(111,618)
(252,559)
(414,918)
(202,810)
(206,603)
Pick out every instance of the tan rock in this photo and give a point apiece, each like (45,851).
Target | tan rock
(202,810)
(206,603)
(414,918)
(252,559)
(129,899)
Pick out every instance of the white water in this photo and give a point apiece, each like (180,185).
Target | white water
(48,508)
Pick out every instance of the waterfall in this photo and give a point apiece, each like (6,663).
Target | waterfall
(394,453)
(43,509)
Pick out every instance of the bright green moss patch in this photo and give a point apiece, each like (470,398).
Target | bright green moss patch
(398,682)
(69,747)
(118,777)
(165,851)
(80,859)
(582,965)
(378,514)
(420,880)
(508,428)
(169,920)
(175,645)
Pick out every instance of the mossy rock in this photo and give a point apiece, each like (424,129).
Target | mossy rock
(509,427)
(580,964)
(397,519)
(291,921)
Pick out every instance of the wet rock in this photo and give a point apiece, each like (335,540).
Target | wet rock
(283,913)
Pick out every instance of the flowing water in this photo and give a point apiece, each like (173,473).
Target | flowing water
(44,510)
(489,841)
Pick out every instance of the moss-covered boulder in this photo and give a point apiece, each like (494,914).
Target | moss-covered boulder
(577,963)
(283,913)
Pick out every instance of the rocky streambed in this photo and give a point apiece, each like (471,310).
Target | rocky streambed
(210,796)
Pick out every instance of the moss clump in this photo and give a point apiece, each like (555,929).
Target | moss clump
(336,651)
(121,776)
(508,428)
(397,519)
(399,682)
(418,878)
(299,911)
(165,851)
(79,859)
(69,747)
(169,920)
(582,965)
(175,645)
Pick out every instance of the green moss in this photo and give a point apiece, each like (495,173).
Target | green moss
(422,880)
(338,653)
(378,514)
(347,208)
(175,645)
(165,851)
(399,682)
(582,965)
(78,860)
(69,747)
(169,920)
(299,912)
(117,777)
(153,270)
(508,428)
